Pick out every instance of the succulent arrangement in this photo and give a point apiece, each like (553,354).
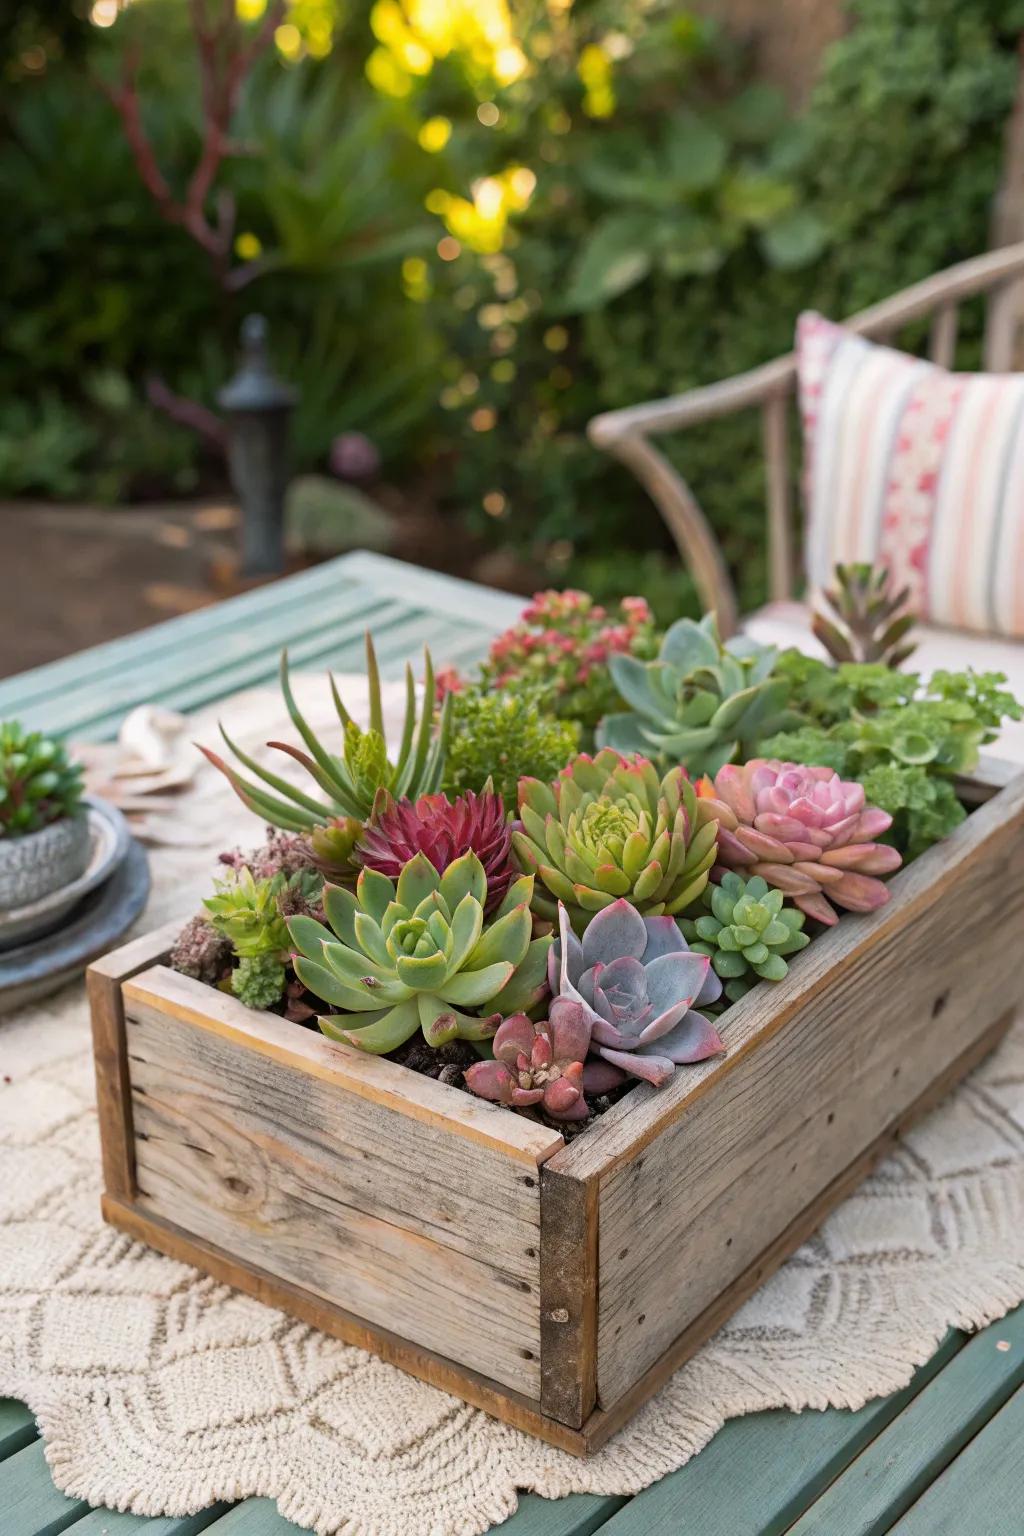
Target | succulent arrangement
(542,926)
(39,784)
(868,622)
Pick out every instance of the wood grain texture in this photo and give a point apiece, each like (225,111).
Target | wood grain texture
(369,1077)
(982,1492)
(433,1236)
(510,1406)
(893,1472)
(568,1296)
(700,1177)
(103,982)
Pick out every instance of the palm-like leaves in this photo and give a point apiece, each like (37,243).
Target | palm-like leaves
(349,782)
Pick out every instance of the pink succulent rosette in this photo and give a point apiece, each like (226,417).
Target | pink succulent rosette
(538,1064)
(638,980)
(806,831)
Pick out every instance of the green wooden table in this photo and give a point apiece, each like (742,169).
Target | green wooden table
(943,1456)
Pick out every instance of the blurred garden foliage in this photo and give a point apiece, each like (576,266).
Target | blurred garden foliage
(473,224)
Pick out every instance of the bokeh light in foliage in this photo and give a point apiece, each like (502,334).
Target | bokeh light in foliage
(480,222)
(434,134)
(307,31)
(413,34)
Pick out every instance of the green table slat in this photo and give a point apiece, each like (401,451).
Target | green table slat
(256,1517)
(580,1514)
(17,1427)
(29,1503)
(762,1471)
(103,1522)
(982,1492)
(899,1465)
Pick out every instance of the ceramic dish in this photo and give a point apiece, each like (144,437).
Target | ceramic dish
(110,838)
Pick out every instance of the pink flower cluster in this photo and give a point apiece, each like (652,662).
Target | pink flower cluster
(562,636)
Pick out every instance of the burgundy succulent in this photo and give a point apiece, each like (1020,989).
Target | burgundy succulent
(443,830)
(806,831)
(538,1064)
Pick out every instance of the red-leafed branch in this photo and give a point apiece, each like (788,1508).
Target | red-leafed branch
(225,51)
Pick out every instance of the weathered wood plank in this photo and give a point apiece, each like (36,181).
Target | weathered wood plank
(982,1492)
(698,1183)
(899,1465)
(579,1514)
(760,1472)
(29,1502)
(480,1391)
(256,1517)
(103,982)
(370,1077)
(413,1228)
(568,1296)
(17,1427)
(105,1522)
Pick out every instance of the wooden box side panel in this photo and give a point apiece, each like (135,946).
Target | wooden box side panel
(854,1036)
(430,1235)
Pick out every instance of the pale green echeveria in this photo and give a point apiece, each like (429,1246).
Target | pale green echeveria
(418,954)
(701,703)
(609,827)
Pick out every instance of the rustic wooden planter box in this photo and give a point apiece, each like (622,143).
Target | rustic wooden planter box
(553,1286)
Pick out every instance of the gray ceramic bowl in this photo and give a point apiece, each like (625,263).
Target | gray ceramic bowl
(40,862)
(107,844)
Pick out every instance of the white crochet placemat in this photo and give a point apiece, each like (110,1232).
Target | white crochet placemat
(160,1392)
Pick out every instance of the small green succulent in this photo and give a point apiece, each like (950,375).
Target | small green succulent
(503,737)
(39,784)
(248,913)
(419,954)
(746,931)
(701,703)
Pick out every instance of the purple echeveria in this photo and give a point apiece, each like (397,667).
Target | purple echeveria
(638,980)
(538,1064)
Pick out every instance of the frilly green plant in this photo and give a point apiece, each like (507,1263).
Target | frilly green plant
(247,912)
(701,703)
(746,932)
(503,737)
(351,781)
(38,782)
(610,826)
(419,954)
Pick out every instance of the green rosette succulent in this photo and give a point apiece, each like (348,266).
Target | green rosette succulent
(419,954)
(609,827)
(701,703)
(39,784)
(747,933)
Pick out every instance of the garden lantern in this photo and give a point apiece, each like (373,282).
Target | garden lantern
(258,406)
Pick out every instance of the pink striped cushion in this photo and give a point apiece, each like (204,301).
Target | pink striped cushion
(918,469)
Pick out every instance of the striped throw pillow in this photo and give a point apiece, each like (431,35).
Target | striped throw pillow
(921,470)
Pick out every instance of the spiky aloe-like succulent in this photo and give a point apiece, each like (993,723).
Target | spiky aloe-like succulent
(38,782)
(442,829)
(351,781)
(808,832)
(746,932)
(701,703)
(638,981)
(538,1064)
(420,954)
(869,622)
(608,827)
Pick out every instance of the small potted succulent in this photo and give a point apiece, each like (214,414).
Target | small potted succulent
(44,827)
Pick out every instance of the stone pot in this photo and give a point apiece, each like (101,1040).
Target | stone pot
(40,862)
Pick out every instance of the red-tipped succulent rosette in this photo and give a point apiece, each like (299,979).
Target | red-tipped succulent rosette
(805,830)
(538,1064)
(638,982)
(443,830)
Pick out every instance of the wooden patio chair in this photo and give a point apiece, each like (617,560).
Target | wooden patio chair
(771,388)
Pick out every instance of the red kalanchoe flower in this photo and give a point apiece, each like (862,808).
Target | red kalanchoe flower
(443,830)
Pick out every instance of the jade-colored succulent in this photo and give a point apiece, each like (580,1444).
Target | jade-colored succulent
(419,954)
(701,703)
(38,782)
(351,781)
(248,913)
(746,932)
(608,827)
(259,981)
